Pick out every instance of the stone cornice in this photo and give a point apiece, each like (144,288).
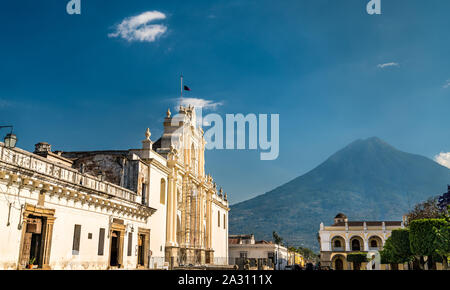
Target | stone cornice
(18,160)
(77,194)
(220,204)
(157,164)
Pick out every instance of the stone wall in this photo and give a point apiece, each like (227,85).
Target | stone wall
(109,165)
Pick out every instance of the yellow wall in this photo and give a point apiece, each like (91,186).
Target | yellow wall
(299,260)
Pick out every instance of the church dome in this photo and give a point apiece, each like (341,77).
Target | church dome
(340,216)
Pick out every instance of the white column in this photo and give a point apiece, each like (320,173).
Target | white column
(174,208)
(366,244)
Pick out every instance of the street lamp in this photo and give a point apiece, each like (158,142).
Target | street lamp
(10,138)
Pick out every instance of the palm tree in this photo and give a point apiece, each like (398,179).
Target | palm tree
(277,239)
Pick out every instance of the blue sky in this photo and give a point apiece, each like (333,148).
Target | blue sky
(319,64)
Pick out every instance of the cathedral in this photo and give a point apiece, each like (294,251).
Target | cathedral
(151,207)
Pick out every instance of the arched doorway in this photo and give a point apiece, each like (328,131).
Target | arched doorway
(339,264)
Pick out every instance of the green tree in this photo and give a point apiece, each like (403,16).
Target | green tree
(428,209)
(387,254)
(397,249)
(277,239)
(357,259)
(442,243)
(309,255)
(423,238)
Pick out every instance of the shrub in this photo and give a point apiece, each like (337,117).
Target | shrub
(387,254)
(442,241)
(357,257)
(397,248)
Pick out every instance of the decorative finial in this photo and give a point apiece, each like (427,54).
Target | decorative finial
(221,191)
(148,134)
(173,153)
(173,149)
(168,113)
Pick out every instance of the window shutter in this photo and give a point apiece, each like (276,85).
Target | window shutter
(101,241)
(76,240)
(130,243)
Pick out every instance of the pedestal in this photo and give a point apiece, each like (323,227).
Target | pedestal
(171,256)
(209,256)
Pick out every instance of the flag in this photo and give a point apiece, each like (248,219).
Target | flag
(186,88)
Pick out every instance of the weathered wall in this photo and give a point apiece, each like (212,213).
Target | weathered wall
(110,164)
(67,214)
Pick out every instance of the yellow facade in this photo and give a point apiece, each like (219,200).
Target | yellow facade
(193,198)
(296,258)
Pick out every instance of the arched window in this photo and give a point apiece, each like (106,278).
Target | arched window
(373,244)
(224,222)
(337,244)
(356,245)
(162,195)
(218,218)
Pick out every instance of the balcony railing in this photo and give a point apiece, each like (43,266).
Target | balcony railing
(25,160)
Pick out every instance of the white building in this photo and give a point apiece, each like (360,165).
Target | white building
(344,237)
(152,207)
(244,247)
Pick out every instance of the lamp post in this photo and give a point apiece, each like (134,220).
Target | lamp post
(10,138)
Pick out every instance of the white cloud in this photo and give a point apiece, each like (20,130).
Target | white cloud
(443,159)
(199,103)
(138,28)
(384,65)
(447,84)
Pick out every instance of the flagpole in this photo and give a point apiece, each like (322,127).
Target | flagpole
(181,88)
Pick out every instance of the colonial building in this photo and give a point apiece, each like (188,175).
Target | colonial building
(344,237)
(262,255)
(151,207)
